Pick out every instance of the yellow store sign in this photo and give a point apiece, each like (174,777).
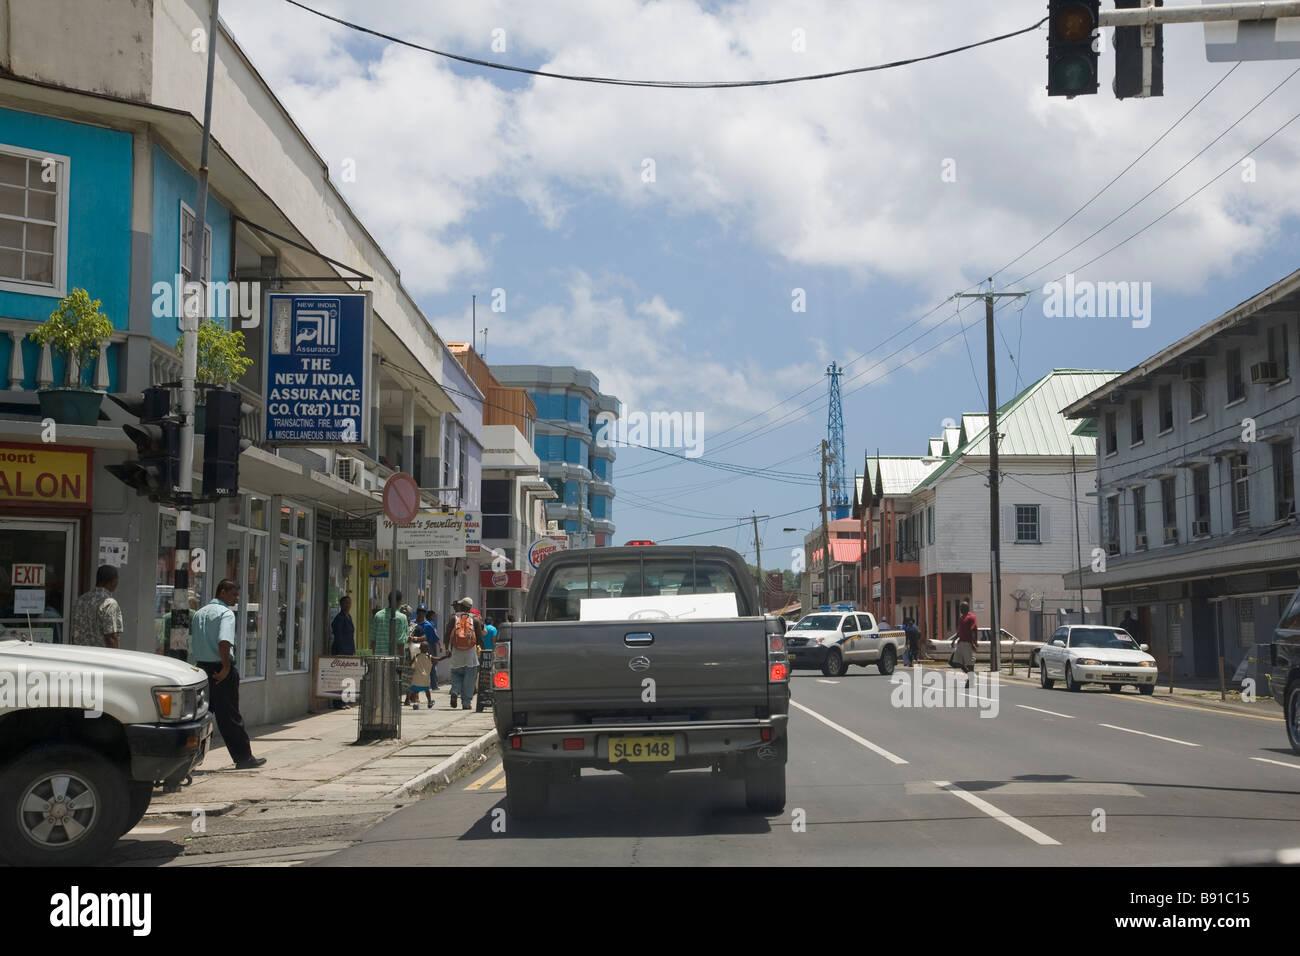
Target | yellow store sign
(35,474)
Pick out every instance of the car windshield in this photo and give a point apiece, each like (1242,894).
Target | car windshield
(818,622)
(1102,637)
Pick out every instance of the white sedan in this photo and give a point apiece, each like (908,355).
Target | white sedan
(1092,654)
(1010,648)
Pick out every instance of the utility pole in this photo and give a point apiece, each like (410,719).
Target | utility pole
(189,367)
(995,536)
(473,324)
(1078,539)
(758,552)
(826,535)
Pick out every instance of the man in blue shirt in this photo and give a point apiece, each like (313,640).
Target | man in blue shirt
(425,626)
(212,643)
(344,631)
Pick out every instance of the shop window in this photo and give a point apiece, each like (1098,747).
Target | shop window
(291,591)
(165,566)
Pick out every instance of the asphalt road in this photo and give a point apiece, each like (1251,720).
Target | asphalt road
(1053,778)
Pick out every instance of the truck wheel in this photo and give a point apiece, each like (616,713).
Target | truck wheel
(888,658)
(834,665)
(765,790)
(527,791)
(141,792)
(1293,715)
(61,805)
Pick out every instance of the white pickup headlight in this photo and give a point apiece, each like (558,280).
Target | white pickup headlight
(176,703)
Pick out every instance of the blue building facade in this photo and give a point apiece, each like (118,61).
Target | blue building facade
(577,467)
(65,223)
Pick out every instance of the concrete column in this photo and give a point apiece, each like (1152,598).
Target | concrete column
(45,368)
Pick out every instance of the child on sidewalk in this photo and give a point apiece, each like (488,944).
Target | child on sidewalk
(421,668)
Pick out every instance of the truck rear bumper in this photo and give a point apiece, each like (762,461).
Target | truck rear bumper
(159,751)
(753,742)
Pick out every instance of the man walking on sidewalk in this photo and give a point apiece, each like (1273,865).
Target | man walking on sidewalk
(212,642)
(465,638)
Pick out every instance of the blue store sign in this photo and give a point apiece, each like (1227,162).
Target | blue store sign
(317,369)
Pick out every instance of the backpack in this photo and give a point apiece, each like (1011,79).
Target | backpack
(463,635)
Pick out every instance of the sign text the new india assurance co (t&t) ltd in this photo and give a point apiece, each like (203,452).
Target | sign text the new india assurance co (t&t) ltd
(318,369)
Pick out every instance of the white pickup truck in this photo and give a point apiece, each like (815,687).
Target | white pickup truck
(84,734)
(836,636)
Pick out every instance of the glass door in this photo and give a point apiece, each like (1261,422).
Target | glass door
(37,572)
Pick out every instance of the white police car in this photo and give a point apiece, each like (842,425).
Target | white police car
(833,637)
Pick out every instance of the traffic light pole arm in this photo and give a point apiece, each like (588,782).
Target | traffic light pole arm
(1205,13)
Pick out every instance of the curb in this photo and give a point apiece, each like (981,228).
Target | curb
(444,772)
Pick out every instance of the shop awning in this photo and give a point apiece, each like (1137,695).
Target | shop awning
(262,472)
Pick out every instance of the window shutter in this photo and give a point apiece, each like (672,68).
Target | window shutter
(1044,525)
(1008,522)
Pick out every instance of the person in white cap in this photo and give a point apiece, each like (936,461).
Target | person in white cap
(465,637)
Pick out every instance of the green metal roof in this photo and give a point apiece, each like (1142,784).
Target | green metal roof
(1031,424)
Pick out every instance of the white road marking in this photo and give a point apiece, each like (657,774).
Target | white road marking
(822,680)
(1038,836)
(1280,763)
(146,831)
(893,758)
(1172,740)
(1041,711)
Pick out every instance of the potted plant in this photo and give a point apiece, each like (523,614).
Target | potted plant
(76,329)
(221,359)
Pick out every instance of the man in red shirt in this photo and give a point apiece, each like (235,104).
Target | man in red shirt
(963,652)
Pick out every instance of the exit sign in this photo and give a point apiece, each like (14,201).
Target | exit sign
(28,576)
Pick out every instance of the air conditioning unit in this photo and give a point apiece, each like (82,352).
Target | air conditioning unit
(1141,541)
(1194,371)
(1112,547)
(348,469)
(1265,373)
(1171,535)
(1200,529)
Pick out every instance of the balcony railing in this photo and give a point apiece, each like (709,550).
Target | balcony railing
(906,552)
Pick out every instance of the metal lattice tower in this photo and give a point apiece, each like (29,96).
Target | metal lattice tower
(839,492)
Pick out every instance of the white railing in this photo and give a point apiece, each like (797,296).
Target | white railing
(19,329)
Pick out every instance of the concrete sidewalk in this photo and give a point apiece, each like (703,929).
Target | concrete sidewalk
(315,759)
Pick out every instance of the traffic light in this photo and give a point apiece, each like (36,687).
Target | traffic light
(222,444)
(1071,54)
(157,440)
(1130,57)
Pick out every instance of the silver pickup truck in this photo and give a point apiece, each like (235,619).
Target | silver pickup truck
(643,660)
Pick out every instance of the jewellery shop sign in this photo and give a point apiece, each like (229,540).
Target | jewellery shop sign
(431,534)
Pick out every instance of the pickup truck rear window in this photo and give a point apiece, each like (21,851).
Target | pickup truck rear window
(634,578)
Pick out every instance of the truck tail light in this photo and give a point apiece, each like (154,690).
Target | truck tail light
(516,742)
(574,743)
(765,734)
(775,642)
(777,673)
(501,680)
(501,665)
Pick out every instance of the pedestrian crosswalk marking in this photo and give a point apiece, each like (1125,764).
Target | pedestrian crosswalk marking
(487,777)
(499,784)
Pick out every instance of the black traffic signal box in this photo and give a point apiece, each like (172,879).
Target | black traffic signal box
(1072,53)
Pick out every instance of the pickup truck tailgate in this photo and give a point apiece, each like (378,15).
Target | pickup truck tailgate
(718,665)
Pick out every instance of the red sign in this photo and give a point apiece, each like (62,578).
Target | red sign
(28,576)
(513,580)
(401,498)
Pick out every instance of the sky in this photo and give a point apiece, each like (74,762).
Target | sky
(711,252)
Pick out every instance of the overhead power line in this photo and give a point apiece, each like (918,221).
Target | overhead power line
(663,84)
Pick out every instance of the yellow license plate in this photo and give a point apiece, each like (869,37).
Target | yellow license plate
(641,749)
(790,656)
